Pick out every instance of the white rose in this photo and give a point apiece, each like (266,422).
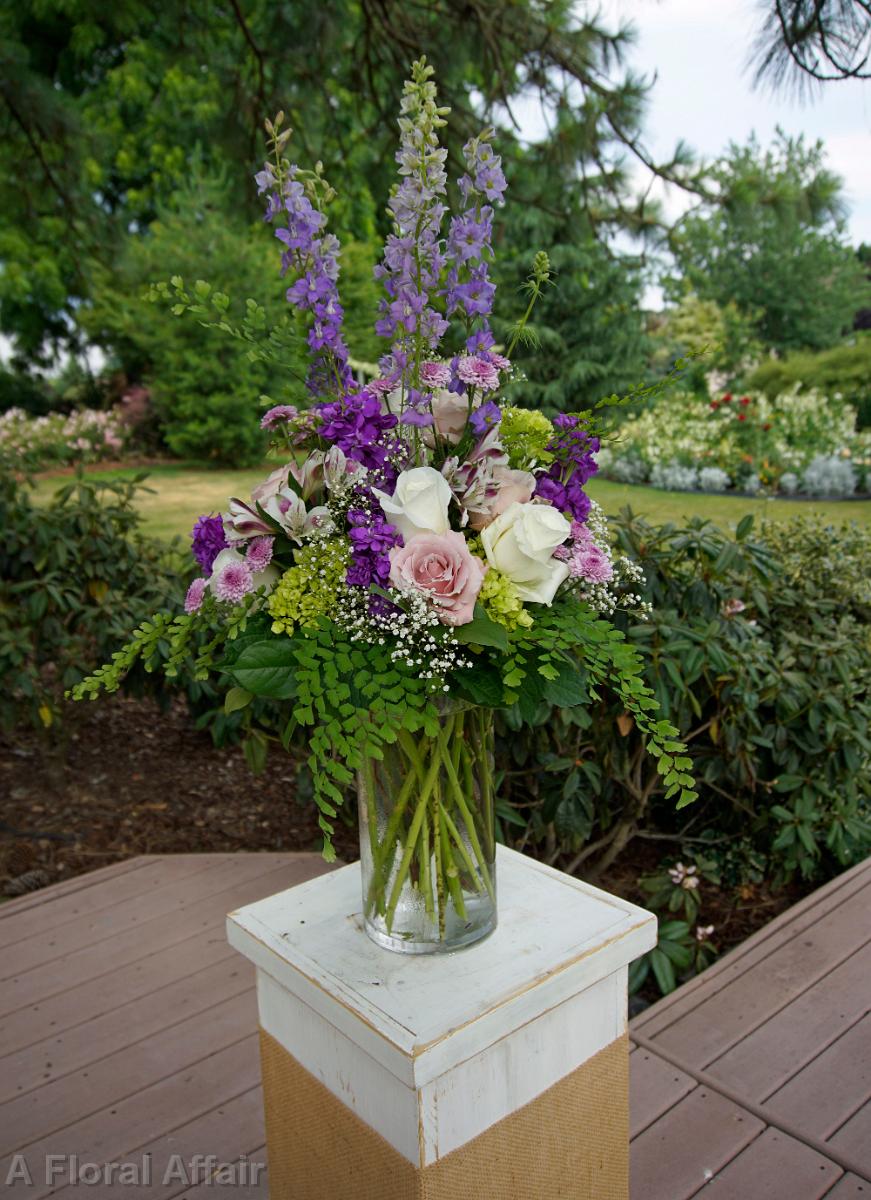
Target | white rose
(419,503)
(520,543)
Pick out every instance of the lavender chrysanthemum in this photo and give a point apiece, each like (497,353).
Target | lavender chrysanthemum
(207,541)
(194,598)
(278,415)
(258,556)
(234,581)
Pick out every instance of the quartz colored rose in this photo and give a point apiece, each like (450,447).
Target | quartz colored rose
(511,487)
(442,566)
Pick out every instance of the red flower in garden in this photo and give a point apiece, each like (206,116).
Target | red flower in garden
(745,400)
(766,428)
(727,399)
(742,416)
(715,404)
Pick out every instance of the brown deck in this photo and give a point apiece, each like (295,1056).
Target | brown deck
(127,1028)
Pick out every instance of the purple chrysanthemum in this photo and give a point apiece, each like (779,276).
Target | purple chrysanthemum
(207,541)
(234,582)
(194,597)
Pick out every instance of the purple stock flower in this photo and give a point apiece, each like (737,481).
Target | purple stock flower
(563,483)
(207,541)
(359,427)
(372,538)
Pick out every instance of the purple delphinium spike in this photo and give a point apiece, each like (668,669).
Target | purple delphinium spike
(469,292)
(413,257)
(313,257)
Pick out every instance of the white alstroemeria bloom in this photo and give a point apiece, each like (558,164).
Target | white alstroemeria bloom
(341,472)
(520,543)
(288,510)
(241,521)
(419,503)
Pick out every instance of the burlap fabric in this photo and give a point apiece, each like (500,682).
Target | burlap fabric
(571,1142)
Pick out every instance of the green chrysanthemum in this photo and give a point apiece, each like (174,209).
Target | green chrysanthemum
(311,587)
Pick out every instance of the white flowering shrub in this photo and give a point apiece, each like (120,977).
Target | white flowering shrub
(86,435)
(740,437)
(789,483)
(674,477)
(631,469)
(751,484)
(713,479)
(829,475)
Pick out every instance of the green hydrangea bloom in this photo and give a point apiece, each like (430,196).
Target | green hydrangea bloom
(501,603)
(525,433)
(311,587)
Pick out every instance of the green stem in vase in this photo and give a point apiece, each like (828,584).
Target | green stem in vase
(435,805)
(451,872)
(385,850)
(463,809)
(424,864)
(475,873)
(411,839)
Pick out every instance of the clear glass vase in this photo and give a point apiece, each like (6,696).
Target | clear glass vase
(427,836)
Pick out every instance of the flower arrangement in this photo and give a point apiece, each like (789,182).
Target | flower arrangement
(750,441)
(424,554)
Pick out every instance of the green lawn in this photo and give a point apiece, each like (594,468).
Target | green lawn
(180,493)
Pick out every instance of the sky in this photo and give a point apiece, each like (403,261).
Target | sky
(702,93)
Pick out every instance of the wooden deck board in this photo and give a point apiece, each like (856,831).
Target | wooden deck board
(770,1056)
(128,1030)
(774,1167)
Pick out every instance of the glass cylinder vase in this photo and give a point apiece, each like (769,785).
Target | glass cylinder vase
(427,836)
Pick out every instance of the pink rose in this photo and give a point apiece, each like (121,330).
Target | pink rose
(450,412)
(512,486)
(441,566)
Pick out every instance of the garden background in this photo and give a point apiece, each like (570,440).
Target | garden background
(146,330)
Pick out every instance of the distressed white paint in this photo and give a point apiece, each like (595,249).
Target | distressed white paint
(467,1100)
(355,1078)
(432,1050)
